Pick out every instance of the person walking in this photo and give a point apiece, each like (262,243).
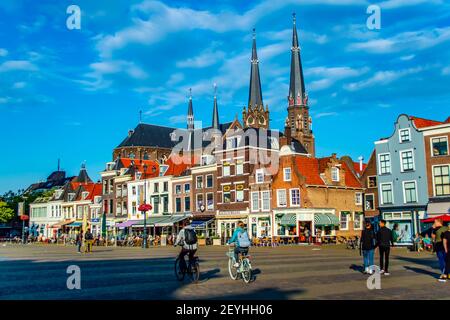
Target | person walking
(439,247)
(368,242)
(384,243)
(78,241)
(446,244)
(88,238)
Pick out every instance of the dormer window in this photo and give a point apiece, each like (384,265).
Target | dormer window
(162,170)
(335,174)
(97,199)
(84,195)
(138,175)
(233,142)
(71,196)
(259,176)
(122,171)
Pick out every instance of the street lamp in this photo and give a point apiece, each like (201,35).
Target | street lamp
(145,211)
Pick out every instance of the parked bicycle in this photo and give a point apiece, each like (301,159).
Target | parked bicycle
(352,243)
(244,269)
(190,267)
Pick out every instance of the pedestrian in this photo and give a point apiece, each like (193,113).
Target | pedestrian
(384,242)
(307,235)
(88,239)
(78,242)
(446,243)
(439,246)
(368,242)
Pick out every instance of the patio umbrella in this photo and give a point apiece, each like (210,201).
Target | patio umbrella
(104,225)
(444,217)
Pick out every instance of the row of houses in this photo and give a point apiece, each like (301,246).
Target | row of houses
(269,178)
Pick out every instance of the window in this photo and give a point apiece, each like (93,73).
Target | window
(344,220)
(259,175)
(385,163)
(187,188)
(358,198)
(199,182)
(335,174)
(233,142)
(358,220)
(239,166)
(407,160)
(239,192)
(209,181)
(439,146)
(295,197)
(410,191)
(178,189)
(265,200)
(177,204)
(133,190)
(165,186)
(156,204)
(287,174)
(404,135)
(386,193)
(210,201)
(369,201)
(281,198)
(255,201)
(156,187)
(441,178)
(226,169)
(165,204)
(372,181)
(187,204)
(200,203)
(226,194)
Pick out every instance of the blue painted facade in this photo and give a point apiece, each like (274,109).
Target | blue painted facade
(402,179)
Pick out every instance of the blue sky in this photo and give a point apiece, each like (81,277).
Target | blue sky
(74,94)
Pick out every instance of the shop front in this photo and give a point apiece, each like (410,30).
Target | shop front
(227,222)
(404,225)
(260,226)
(325,226)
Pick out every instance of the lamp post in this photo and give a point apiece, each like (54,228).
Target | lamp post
(145,211)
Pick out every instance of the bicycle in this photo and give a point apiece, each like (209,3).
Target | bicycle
(192,268)
(244,269)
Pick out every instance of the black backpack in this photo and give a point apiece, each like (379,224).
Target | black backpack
(190,237)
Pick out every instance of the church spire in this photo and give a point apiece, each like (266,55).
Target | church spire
(215,119)
(297,94)
(190,115)
(255,93)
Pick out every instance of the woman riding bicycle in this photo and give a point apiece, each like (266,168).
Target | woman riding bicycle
(241,240)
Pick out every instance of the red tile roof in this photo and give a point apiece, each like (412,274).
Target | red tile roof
(152,166)
(93,189)
(179,164)
(309,168)
(423,123)
(356,167)
(350,178)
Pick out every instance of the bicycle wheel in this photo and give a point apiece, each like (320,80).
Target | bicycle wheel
(232,270)
(247,271)
(179,273)
(194,272)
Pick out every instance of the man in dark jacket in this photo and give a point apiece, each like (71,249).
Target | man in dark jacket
(368,241)
(384,242)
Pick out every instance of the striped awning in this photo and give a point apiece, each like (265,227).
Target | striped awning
(289,219)
(325,219)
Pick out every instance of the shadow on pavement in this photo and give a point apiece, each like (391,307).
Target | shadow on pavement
(358,268)
(432,263)
(422,271)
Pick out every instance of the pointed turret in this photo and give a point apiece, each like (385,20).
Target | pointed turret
(190,115)
(83,176)
(297,95)
(215,118)
(255,92)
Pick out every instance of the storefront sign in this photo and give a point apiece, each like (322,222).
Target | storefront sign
(231,213)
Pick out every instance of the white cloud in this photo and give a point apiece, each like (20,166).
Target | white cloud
(408,57)
(381,78)
(4,100)
(304,36)
(206,58)
(412,40)
(446,71)
(3,52)
(325,114)
(177,119)
(17,65)
(175,78)
(330,75)
(19,85)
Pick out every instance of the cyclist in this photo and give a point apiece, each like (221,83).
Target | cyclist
(241,240)
(187,238)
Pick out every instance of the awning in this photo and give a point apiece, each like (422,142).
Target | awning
(75,224)
(438,208)
(200,224)
(170,221)
(162,221)
(127,223)
(58,225)
(289,219)
(444,217)
(325,219)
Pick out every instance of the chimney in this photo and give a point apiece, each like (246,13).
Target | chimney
(287,132)
(130,132)
(361,163)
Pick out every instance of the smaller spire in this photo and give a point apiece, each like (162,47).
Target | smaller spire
(254,53)
(294,32)
(215,119)
(190,114)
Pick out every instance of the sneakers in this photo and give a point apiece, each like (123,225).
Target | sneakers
(236,265)
(386,273)
(443,278)
(381,271)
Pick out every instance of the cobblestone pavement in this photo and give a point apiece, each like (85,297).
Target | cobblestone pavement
(291,272)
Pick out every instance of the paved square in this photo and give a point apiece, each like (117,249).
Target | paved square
(291,272)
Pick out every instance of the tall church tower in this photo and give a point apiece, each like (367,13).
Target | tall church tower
(255,115)
(299,119)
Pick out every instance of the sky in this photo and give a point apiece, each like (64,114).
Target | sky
(74,94)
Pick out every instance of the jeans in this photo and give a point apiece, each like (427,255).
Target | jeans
(447,263)
(384,258)
(238,250)
(79,246)
(368,258)
(441,257)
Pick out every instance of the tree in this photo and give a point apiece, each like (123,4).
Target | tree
(6,213)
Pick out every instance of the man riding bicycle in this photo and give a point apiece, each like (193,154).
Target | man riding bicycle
(241,240)
(187,238)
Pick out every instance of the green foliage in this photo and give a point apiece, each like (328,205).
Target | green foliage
(6,213)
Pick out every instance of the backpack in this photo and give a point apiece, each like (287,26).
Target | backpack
(243,239)
(190,237)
